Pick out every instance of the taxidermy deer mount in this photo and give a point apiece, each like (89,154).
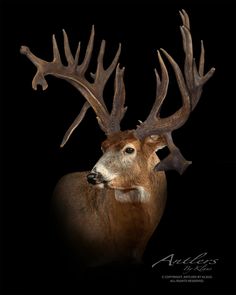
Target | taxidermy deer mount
(110,213)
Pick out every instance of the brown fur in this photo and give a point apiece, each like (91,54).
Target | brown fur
(102,229)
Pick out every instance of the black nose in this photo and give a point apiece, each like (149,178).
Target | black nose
(91,177)
(94,178)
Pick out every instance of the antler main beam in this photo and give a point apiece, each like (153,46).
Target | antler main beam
(74,73)
(190,85)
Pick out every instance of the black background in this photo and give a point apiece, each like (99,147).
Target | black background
(200,212)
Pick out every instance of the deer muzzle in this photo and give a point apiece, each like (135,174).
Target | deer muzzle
(95,178)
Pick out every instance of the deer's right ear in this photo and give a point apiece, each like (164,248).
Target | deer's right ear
(155,142)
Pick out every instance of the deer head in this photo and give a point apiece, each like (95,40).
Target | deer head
(128,149)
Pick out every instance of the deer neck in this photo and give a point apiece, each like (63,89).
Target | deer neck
(143,187)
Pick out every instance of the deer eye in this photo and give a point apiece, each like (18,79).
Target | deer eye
(129,150)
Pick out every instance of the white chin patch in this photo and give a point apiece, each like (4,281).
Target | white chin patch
(100,185)
(107,175)
(138,194)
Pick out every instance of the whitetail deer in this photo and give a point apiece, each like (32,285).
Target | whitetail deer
(111,212)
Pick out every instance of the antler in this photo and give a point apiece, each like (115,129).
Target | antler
(190,85)
(75,75)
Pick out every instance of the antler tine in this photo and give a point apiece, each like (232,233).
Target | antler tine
(161,89)
(75,124)
(195,79)
(101,75)
(118,109)
(176,120)
(113,64)
(56,53)
(188,49)
(77,56)
(149,127)
(156,125)
(201,60)
(84,66)
(185,18)
(68,54)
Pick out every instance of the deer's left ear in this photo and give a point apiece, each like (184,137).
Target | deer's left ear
(153,143)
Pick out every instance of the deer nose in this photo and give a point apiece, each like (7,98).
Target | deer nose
(95,178)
